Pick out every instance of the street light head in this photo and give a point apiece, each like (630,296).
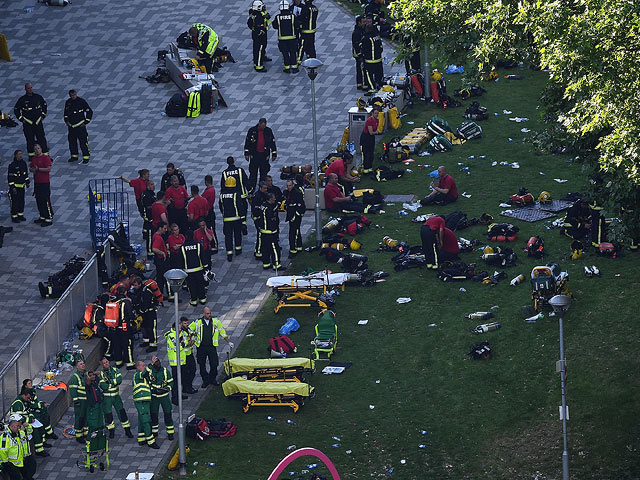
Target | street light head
(312,65)
(175,277)
(560,304)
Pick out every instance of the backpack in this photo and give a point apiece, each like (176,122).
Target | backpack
(185,41)
(440,143)
(176,106)
(456,221)
(206,99)
(502,232)
(502,257)
(112,314)
(447,102)
(469,130)
(437,126)
(372,198)
(535,247)
(198,429)
(394,151)
(193,105)
(481,351)
(220,428)
(153,286)
(384,173)
(476,112)
(282,345)
(455,271)
(394,118)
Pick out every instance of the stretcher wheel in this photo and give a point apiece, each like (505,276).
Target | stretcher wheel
(101,466)
(92,469)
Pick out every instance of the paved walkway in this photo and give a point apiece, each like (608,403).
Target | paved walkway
(100,49)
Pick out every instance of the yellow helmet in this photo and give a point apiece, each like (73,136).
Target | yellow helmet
(355,245)
(545,197)
(436,76)
(487,250)
(388,88)
(230,182)
(361,104)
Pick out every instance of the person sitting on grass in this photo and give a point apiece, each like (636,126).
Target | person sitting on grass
(334,199)
(446,191)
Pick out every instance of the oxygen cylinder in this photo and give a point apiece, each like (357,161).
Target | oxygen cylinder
(517,280)
(480,316)
(389,242)
(331,225)
(337,246)
(58,3)
(487,327)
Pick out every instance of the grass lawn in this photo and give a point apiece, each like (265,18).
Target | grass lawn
(485,420)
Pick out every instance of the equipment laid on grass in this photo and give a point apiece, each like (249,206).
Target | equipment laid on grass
(502,232)
(409,257)
(487,327)
(546,282)
(268,394)
(456,271)
(394,151)
(501,257)
(440,143)
(481,351)
(281,346)
(437,126)
(415,139)
(479,316)
(475,111)
(326,339)
(469,130)
(535,247)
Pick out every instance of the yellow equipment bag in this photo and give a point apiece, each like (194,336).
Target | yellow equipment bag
(193,106)
(394,118)
(381,118)
(344,141)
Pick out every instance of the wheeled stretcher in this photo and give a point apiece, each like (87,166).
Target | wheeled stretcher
(307,290)
(269,369)
(268,394)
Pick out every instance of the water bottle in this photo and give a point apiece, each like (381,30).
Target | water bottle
(337,439)
(534,318)
(291,422)
(273,434)
(422,445)
(211,464)
(487,327)
(335,445)
(423,432)
(517,280)
(480,316)
(311,466)
(271,419)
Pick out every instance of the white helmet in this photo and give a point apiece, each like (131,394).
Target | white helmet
(257,5)
(284,5)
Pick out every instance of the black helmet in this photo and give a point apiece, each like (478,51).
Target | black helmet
(359,18)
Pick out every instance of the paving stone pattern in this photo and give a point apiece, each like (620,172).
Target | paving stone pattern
(103,48)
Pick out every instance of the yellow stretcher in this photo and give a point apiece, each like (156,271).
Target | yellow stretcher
(269,369)
(268,394)
(307,290)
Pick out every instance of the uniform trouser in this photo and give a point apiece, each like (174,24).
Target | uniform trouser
(122,348)
(211,223)
(150,328)
(429,247)
(232,234)
(29,468)
(162,265)
(80,418)
(359,72)
(35,134)
(77,135)
(307,45)
(43,201)
(413,62)
(189,373)
(17,473)
(257,252)
(258,161)
(147,234)
(43,417)
(259,50)
(373,73)
(197,287)
(289,49)
(114,403)
(95,419)
(16,199)
(295,236)
(203,353)
(38,439)
(367,145)
(270,250)
(108,338)
(165,402)
(144,422)
(179,217)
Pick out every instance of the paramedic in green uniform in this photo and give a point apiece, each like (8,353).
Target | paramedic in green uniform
(79,399)
(161,381)
(142,401)
(110,380)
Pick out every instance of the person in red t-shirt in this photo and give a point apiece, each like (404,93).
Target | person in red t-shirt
(449,247)
(139,185)
(432,235)
(368,140)
(41,167)
(204,236)
(159,210)
(209,195)
(446,191)
(161,256)
(334,199)
(342,167)
(177,196)
(197,208)
(175,241)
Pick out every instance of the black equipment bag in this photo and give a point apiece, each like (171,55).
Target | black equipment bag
(456,271)
(206,99)
(185,41)
(456,221)
(177,106)
(481,351)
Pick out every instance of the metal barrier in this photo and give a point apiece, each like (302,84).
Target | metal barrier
(108,208)
(56,326)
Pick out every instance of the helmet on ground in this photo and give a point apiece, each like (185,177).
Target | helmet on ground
(257,5)
(230,182)
(545,197)
(284,5)
(355,245)
(487,250)
(436,76)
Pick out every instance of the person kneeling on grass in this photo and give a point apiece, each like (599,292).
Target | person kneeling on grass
(448,249)
(335,201)
(446,191)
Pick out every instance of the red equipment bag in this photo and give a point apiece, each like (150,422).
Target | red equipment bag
(198,429)
(417,84)
(435,92)
(281,344)
(525,199)
(112,314)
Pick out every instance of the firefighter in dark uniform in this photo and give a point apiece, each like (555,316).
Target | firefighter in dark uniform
(123,352)
(371,50)
(259,144)
(165,181)
(258,199)
(147,199)
(309,22)
(295,208)
(146,305)
(192,264)
(18,177)
(242,183)
(258,24)
(269,224)
(77,115)
(30,109)
(288,27)
(356,40)
(374,10)
(233,208)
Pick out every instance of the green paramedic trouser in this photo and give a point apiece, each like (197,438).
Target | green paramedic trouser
(80,418)
(95,419)
(144,422)
(165,402)
(43,417)
(108,405)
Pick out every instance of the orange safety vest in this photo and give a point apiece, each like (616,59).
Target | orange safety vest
(88,314)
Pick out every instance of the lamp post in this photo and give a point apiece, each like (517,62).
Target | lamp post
(175,277)
(427,75)
(560,304)
(312,65)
